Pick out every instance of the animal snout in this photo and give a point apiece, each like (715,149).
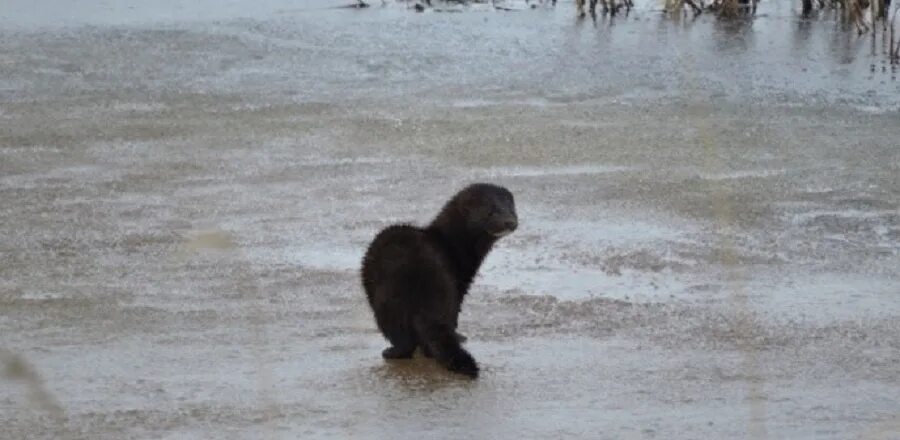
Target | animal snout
(510,224)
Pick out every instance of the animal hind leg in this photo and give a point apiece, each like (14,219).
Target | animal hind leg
(398,331)
(403,343)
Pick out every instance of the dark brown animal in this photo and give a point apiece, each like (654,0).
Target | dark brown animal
(416,278)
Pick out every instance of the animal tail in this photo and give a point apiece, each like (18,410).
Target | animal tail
(441,341)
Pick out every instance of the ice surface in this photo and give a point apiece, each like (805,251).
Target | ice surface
(709,240)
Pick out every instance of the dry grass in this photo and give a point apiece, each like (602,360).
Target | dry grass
(894,43)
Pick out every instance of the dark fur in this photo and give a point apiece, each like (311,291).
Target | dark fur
(416,278)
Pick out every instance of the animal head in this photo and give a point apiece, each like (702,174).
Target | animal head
(488,208)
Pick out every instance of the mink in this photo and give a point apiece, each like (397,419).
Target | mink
(416,278)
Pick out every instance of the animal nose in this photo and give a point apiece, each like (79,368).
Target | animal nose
(511,224)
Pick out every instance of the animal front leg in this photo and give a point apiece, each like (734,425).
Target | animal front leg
(459,337)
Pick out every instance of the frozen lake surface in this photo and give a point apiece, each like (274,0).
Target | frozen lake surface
(709,240)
